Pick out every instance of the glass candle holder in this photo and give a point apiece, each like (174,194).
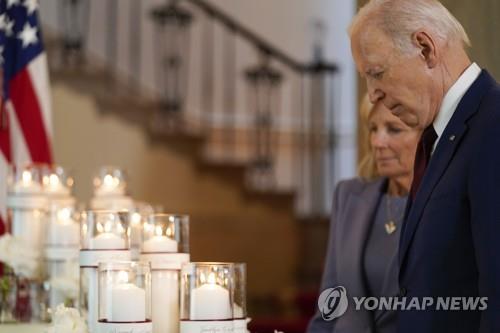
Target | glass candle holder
(110,190)
(103,238)
(125,297)
(57,181)
(104,230)
(110,181)
(166,233)
(26,179)
(207,294)
(138,217)
(166,247)
(240,298)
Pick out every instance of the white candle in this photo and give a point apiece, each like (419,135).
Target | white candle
(165,300)
(210,302)
(128,303)
(107,241)
(26,184)
(110,186)
(159,244)
(64,231)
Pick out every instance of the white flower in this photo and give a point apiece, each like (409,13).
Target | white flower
(67,320)
(19,255)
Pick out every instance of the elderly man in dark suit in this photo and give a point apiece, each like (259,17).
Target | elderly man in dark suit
(412,54)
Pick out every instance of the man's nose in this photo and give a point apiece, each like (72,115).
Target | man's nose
(374,93)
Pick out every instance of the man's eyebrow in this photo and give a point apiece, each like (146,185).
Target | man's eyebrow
(373,71)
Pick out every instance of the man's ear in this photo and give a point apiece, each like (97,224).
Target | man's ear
(428,50)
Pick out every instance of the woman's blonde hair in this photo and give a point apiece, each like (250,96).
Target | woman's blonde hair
(366,168)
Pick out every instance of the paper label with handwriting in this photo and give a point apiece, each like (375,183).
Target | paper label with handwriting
(200,326)
(125,327)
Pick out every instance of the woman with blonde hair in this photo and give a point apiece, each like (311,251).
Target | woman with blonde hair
(365,224)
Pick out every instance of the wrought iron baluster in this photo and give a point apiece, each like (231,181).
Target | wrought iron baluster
(135,42)
(73,17)
(112,34)
(229,95)
(207,81)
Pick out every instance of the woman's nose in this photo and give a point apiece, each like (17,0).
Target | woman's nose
(379,140)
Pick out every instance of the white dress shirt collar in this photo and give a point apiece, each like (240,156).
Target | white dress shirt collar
(453,97)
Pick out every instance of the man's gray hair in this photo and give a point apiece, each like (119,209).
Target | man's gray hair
(399,19)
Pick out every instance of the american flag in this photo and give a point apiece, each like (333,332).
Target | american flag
(26,126)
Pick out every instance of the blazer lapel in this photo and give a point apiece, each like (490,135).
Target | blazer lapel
(360,211)
(448,143)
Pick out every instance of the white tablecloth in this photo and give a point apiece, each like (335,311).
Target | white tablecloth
(23,328)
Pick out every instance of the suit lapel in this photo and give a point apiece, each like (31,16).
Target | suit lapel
(447,145)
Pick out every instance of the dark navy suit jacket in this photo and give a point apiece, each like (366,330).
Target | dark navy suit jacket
(450,242)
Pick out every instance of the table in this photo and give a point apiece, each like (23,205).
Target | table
(23,328)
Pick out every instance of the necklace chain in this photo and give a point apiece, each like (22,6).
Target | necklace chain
(391,224)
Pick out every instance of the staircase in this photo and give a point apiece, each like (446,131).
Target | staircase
(261,124)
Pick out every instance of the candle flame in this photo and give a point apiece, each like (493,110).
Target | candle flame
(120,228)
(107,227)
(122,277)
(99,227)
(26,177)
(202,278)
(54,180)
(110,181)
(64,214)
(169,232)
(136,218)
(158,230)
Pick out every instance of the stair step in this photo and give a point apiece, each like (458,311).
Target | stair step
(278,198)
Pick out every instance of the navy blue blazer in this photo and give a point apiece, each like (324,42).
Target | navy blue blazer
(451,236)
(355,204)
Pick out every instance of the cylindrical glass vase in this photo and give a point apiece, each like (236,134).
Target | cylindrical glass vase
(125,297)
(207,294)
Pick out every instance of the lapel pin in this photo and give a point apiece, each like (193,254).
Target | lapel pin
(452,137)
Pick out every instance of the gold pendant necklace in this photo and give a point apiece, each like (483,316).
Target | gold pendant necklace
(390,225)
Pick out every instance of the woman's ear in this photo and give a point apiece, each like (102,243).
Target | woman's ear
(427,48)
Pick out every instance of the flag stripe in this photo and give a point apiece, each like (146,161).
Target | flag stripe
(41,85)
(19,148)
(4,169)
(30,119)
(5,141)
